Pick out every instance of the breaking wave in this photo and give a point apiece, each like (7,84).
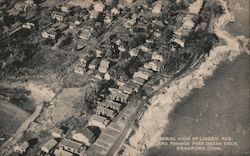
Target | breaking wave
(154,120)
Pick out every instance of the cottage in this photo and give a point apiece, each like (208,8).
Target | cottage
(129,23)
(99,7)
(141,75)
(104,66)
(157,8)
(157,56)
(98,121)
(138,80)
(110,104)
(115,11)
(22,148)
(195,7)
(94,64)
(61,152)
(105,111)
(120,97)
(133,85)
(85,33)
(134,52)
(81,3)
(126,89)
(51,34)
(72,146)
(58,15)
(144,48)
(49,146)
(153,65)
(86,136)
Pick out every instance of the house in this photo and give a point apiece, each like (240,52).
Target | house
(133,85)
(81,3)
(60,26)
(105,111)
(72,146)
(157,56)
(85,33)
(134,52)
(98,121)
(94,64)
(58,15)
(138,81)
(28,25)
(129,23)
(153,65)
(110,104)
(115,11)
(22,148)
(86,136)
(51,34)
(195,7)
(144,48)
(129,1)
(119,96)
(126,89)
(61,152)
(99,7)
(104,66)
(49,146)
(143,74)
(157,7)
(108,19)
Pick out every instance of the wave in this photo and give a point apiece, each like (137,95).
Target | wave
(155,119)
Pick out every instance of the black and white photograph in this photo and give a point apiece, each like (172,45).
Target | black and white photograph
(124,78)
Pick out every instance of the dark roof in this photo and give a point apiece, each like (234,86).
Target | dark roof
(88,133)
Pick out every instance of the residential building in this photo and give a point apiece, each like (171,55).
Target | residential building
(61,152)
(86,33)
(126,89)
(157,7)
(142,75)
(157,56)
(129,23)
(105,112)
(195,7)
(133,85)
(51,34)
(104,66)
(94,64)
(153,65)
(99,7)
(120,97)
(134,52)
(49,146)
(138,80)
(98,121)
(72,146)
(86,136)
(110,104)
(58,15)
(22,148)
(81,3)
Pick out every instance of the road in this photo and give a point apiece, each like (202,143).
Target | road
(189,67)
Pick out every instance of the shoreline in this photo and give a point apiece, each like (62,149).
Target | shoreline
(151,126)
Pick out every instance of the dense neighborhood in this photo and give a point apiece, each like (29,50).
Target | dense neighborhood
(108,56)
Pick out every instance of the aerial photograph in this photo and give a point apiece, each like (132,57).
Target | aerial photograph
(124,78)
